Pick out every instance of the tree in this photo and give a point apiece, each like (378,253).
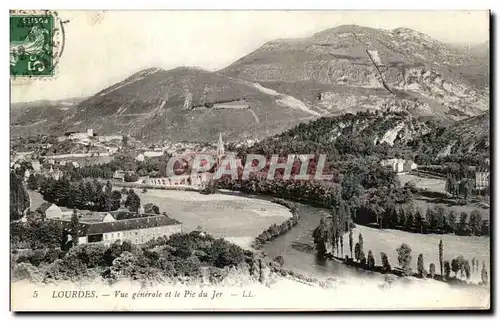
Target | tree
(74,226)
(446,270)
(320,236)
(350,241)
(467,269)
(451,220)
(441,255)
(465,187)
(108,194)
(419,221)
(371,260)
(455,267)
(432,270)
(462,228)
(116,198)
(484,274)
(133,202)
(440,218)
(386,267)
(475,222)
(19,198)
(334,230)
(430,217)
(357,251)
(420,265)
(447,185)
(32,183)
(404,258)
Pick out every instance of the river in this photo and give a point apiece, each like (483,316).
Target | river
(297,247)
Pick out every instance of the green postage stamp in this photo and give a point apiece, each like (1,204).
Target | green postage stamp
(36,43)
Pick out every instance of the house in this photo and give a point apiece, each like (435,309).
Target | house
(136,230)
(482,178)
(123,214)
(55,174)
(119,175)
(50,210)
(27,174)
(153,154)
(399,165)
(96,217)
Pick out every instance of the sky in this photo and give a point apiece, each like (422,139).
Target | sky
(104,47)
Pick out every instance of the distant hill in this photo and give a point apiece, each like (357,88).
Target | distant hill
(36,117)
(469,138)
(150,105)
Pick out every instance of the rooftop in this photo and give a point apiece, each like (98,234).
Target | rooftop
(122,225)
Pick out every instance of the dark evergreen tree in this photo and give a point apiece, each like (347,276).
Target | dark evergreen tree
(74,227)
(320,236)
(420,265)
(371,260)
(32,183)
(441,250)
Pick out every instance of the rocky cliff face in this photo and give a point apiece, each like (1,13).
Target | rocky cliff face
(427,75)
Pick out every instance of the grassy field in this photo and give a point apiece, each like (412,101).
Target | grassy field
(438,185)
(235,218)
(430,184)
(428,244)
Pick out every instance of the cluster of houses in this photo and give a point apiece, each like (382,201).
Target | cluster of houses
(108,227)
(482,175)
(46,170)
(401,166)
(186,163)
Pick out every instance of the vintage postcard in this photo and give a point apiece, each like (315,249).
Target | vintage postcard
(249,160)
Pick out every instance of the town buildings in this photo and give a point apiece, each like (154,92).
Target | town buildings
(399,166)
(482,176)
(108,227)
(138,230)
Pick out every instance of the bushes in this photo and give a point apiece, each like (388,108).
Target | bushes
(130,178)
(36,235)
(215,252)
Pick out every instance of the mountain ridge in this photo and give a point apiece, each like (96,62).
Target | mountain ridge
(286,82)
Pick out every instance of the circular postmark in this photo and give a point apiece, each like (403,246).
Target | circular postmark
(36,44)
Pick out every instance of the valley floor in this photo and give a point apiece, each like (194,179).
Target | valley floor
(237,219)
